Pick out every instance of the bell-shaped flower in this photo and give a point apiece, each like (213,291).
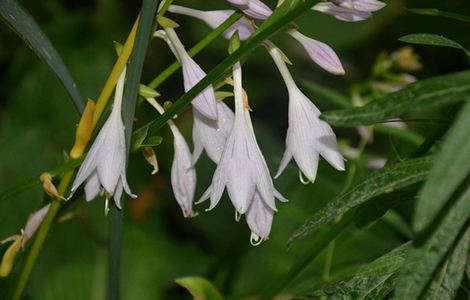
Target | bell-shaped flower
(205,102)
(242,168)
(307,136)
(319,52)
(214,18)
(349,10)
(183,173)
(105,163)
(212,135)
(253,8)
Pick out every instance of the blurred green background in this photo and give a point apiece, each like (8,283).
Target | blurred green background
(37,123)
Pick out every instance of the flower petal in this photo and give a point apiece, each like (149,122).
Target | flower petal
(92,187)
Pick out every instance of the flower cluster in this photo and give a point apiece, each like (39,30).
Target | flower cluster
(228,137)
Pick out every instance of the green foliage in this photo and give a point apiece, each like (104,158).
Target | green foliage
(376,280)
(423,95)
(25,26)
(440,13)
(449,171)
(432,40)
(426,256)
(383,181)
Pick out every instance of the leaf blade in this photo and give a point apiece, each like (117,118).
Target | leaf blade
(424,259)
(449,170)
(422,95)
(200,288)
(432,40)
(29,31)
(385,180)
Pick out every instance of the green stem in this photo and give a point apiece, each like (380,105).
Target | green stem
(195,50)
(114,246)
(147,14)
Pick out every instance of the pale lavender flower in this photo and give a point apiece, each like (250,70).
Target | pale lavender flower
(259,218)
(307,136)
(205,102)
(105,163)
(211,135)
(183,173)
(360,5)
(214,18)
(349,10)
(253,8)
(319,52)
(242,168)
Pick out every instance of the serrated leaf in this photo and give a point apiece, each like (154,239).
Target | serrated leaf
(440,13)
(200,288)
(420,96)
(450,169)
(447,281)
(28,30)
(424,259)
(372,281)
(380,182)
(432,40)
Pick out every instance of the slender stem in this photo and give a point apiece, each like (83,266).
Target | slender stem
(67,178)
(195,50)
(114,246)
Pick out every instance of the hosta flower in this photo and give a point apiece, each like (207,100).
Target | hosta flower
(205,102)
(259,218)
(242,168)
(319,52)
(253,8)
(349,10)
(183,173)
(215,18)
(307,136)
(105,163)
(211,135)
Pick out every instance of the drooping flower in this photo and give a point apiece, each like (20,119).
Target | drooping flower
(183,173)
(242,168)
(307,136)
(205,101)
(212,135)
(319,52)
(104,166)
(214,18)
(253,8)
(349,10)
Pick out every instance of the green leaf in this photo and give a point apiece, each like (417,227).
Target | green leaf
(131,90)
(200,288)
(440,13)
(380,182)
(369,212)
(425,259)
(372,281)
(432,40)
(283,15)
(420,96)
(27,29)
(451,167)
(447,281)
